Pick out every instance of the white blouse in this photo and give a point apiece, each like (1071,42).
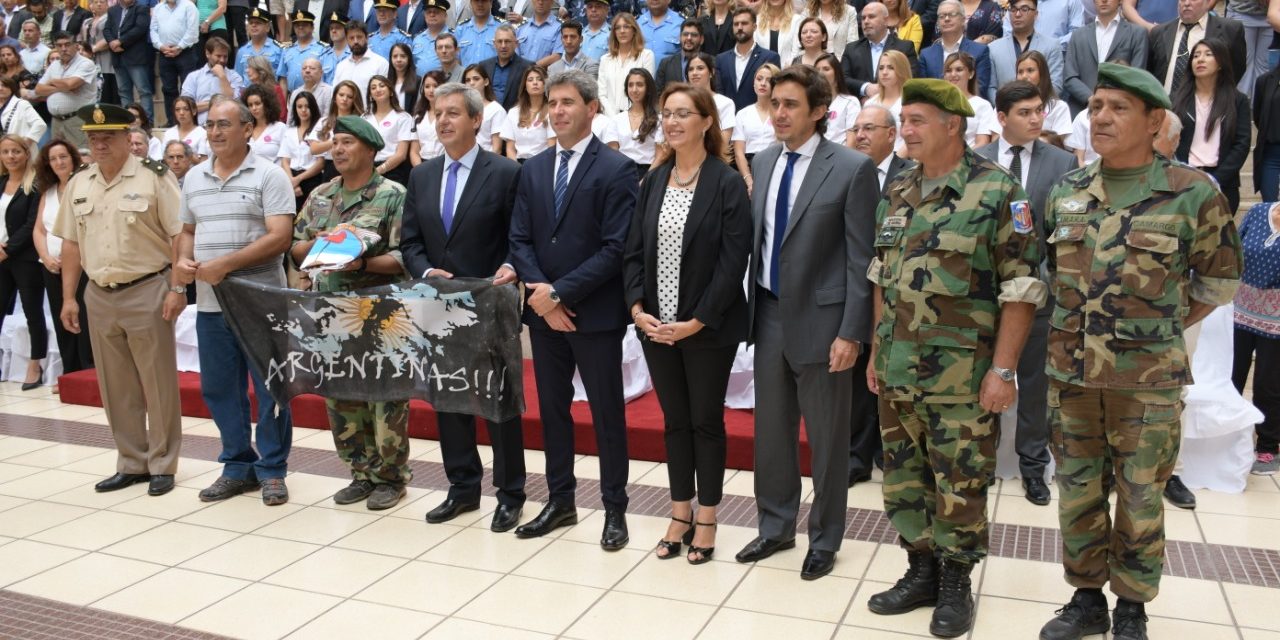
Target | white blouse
(20,118)
(268,144)
(841,32)
(395,128)
(299,154)
(983,122)
(197,139)
(49,215)
(639,152)
(757,134)
(1059,118)
(841,116)
(490,123)
(726,110)
(788,40)
(529,140)
(601,128)
(428,144)
(612,80)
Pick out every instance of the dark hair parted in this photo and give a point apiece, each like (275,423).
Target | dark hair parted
(1014,92)
(705,104)
(817,91)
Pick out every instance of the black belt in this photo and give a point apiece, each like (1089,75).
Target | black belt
(64,117)
(125,285)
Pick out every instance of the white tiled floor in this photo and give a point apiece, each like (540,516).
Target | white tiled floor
(311,569)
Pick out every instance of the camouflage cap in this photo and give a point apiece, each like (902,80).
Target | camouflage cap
(1138,82)
(939,93)
(104,117)
(360,128)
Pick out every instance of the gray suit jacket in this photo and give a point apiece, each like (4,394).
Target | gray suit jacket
(588,64)
(1048,165)
(826,249)
(1081,63)
(1004,61)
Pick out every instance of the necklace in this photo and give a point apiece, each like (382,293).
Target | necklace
(675,173)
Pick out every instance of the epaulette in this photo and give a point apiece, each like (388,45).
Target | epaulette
(467,21)
(405,33)
(158,167)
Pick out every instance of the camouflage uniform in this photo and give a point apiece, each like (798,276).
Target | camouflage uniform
(371,437)
(946,262)
(1123,280)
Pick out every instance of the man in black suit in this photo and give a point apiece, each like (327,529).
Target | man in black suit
(71,18)
(1174,39)
(672,68)
(457,214)
(127,33)
(1038,167)
(862,57)
(508,63)
(568,231)
(736,68)
(874,133)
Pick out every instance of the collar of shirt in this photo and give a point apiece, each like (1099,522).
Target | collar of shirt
(249,163)
(806,150)
(578,150)
(883,167)
(741,56)
(883,41)
(1203,23)
(468,159)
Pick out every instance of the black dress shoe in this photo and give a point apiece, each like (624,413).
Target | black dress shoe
(120,481)
(1130,621)
(858,474)
(160,485)
(615,534)
(552,517)
(450,509)
(1085,615)
(1178,494)
(817,564)
(1037,490)
(505,518)
(762,548)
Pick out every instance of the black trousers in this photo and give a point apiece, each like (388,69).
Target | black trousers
(462,462)
(24,277)
(865,445)
(598,355)
(1266,383)
(172,73)
(691,385)
(236,19)
(108,92)
(75,348)
(308,186)
(400,174)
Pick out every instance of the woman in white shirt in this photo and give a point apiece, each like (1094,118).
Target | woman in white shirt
(1034,68)
(893,71)
(404,76)
(635,131)
(813,41)
(426,145)
(187,130)
(753,125)
(345,102)
(844,108)
(626,52)
(841,21)
(17,116)
(489,137)
(702,74)
(268,130)
(295,156)
(58,161)
(526,129)
(394,125)
(777,28)
(982,128)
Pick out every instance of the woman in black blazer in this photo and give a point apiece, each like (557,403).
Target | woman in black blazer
(20,269)
(1210,106)
(686,255)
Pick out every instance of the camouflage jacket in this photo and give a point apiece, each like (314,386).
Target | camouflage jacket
(1125,272)
(946,262)
(379,209)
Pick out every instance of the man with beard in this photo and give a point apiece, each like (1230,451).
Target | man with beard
(736,68)
(363,64)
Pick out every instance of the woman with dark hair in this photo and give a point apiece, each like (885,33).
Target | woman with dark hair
(636,129)
(11,62)
(426,145)
(685,258)
(490,135)
(346,101)
(753,128)
(701,72)
(960,70)
(295,156)
(57,162)
(403,76)
(1034,68)
(17,116)
(187,129)
(394,125)
(1257,328)
(268,130)
(844,108)
(813,41)
(19,262)
(526,129)
(1216,129)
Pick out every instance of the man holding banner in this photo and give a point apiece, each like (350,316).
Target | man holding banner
(371,437)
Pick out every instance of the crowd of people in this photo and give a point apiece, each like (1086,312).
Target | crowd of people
(963,205)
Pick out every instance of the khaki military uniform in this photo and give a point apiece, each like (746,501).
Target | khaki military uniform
(1125,273)
(946,262)
(125,230)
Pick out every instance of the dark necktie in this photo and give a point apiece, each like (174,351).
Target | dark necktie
(1015,165)
(1183,60)
(780,214)
(562,180)
(450,195)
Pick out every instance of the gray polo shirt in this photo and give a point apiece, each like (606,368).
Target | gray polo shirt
(230,215)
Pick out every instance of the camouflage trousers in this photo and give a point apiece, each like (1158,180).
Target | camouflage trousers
(372,438)
(1129,440)
(938,462)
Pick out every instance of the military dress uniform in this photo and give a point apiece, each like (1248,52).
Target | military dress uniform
(293,55)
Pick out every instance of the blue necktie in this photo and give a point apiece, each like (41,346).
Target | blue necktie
(780,213)
(562,180)
(450,193)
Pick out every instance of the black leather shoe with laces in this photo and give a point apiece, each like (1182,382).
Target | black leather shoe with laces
(917,588)
(1085,615)
(1130,621)
(953,615)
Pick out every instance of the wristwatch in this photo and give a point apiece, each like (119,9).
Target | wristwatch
(181,289)
(555,297)
(1005,374)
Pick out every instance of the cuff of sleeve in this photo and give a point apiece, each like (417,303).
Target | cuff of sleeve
(1212,291)
(1024,289)
(873,270)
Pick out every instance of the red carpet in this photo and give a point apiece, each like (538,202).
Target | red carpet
(644,419)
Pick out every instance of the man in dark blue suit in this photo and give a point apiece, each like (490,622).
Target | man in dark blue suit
(411,17)
(736,68)
(456,218)
(360,11)
(127,33)
(951,32)
(568,230)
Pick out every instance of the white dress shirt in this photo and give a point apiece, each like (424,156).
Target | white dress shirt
(882,170)
(361,72)
(468,161)
(740,64)
(1104,35)
(1006,158)
(1197,34)
(578,150)
(798,172)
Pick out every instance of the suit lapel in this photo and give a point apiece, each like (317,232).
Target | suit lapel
(475,184)
(579,173)
(819,167)
(750,70)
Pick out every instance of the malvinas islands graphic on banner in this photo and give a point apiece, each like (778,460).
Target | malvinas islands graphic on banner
(454,343)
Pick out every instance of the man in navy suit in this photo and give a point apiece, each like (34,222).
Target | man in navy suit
(568,230)
(950,39)
(736,68)
(456,217)
(127,33)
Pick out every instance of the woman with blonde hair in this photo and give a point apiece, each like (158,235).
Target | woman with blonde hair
(346,101)
(626,52)
(893,71)
(905,22)
(753,125)
(778,28)
(526,129)
(841,21)
(20,270)
(716,17)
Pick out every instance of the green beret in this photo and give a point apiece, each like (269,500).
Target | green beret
(358,127)
(939,93)
(1136,81)
(104,117)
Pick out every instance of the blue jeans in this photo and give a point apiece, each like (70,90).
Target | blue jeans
(135,77)
(224,386)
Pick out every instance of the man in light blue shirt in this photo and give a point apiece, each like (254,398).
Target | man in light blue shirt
(595,33)
(387,35)
(175,29)
(338,51)
(539,36)
(258,25)
(661,29)
(213,79)
(475,36)
(424,44)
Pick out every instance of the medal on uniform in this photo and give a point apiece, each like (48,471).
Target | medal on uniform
(1022,222)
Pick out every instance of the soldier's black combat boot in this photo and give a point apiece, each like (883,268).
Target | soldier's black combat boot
(1085,615)
(918,588)
(954,614)
(1130,621)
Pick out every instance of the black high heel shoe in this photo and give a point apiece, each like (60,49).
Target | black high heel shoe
(27,386)
(673,547)
(704,553)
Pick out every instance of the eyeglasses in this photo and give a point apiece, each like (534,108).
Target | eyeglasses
(220,125)
(1022,10)
(680,114)
(856,129)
